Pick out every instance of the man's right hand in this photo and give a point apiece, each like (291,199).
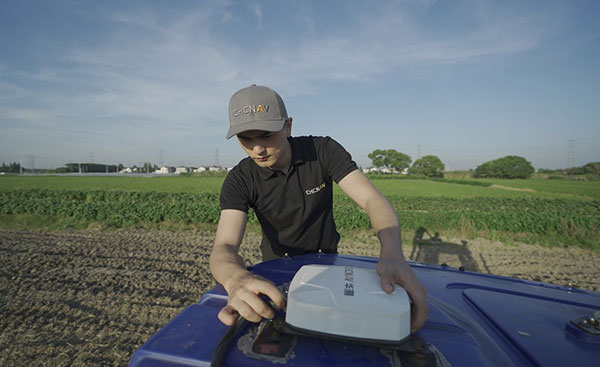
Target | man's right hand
(244,299)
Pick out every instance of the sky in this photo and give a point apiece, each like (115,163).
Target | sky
(136,81)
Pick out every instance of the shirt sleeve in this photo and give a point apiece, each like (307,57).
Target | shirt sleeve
(336,160)
(234,193)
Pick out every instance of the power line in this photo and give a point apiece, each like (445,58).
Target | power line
(571,153)
(31,161)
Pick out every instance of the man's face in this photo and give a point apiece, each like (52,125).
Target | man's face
(269,149)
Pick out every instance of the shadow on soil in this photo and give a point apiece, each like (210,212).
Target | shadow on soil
(429,249)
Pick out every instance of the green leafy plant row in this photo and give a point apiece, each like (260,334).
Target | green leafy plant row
(116,208)
(570,220)
(531,215)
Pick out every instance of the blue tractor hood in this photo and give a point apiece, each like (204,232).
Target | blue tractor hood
(475,319)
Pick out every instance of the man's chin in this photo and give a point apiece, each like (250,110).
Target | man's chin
(265,164)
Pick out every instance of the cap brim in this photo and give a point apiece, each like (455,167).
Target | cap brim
(264,125)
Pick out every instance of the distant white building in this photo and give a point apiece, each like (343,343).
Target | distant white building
(384,170)
(165,169)
(126,170)
(215,169)
(371,170)
(201,169)
(180,170)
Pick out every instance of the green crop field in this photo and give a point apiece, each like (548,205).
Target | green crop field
(550,212)
(115,183)
(589,189)
(430,188)
(399,187)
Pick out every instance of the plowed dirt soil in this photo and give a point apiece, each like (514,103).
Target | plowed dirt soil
(92,298)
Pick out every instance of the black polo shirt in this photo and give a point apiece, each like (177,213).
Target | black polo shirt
(295,210)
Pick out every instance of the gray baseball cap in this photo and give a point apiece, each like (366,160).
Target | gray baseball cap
(256,108)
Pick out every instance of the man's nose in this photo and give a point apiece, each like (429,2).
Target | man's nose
(258,148)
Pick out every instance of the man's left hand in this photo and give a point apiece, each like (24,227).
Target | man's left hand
(393,269)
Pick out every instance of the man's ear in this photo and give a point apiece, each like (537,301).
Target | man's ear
(288,126)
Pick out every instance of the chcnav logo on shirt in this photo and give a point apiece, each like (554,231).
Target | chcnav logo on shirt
(314,190)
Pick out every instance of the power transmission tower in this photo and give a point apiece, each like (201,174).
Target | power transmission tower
(419,151)
(571,154)
(161,158)
(31,162)
(217,163)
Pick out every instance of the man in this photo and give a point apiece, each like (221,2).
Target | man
(289,182)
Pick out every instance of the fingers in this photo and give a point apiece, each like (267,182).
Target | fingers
(400,273)
(387,283)
(245,309)
(228,315)
(270,290)
(259,305)
(257,309)
(419,310)
(246,301)
(418,316)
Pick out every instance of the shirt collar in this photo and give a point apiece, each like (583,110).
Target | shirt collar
(297,153)
(265,173)
(297,158)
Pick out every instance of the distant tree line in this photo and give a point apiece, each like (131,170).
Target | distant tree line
(89,168)
(592,168)
(394,161)
(429,165)
(13,167)
(511,166)
(103,168)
